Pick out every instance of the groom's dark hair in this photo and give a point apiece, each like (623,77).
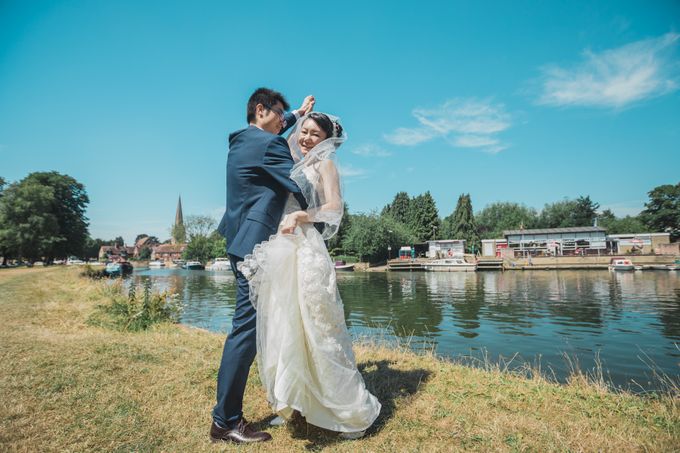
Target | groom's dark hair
(266,97)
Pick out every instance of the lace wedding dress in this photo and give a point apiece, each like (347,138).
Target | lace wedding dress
(305,357)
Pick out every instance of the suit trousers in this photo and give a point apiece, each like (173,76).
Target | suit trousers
(237,356)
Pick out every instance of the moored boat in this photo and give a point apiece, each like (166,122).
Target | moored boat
(156,264)
(450,265)
(118,269)
(220,264)
(194,266)
(343,267)
(621,264)
(675,266)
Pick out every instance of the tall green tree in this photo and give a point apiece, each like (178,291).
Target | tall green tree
(423,218)
(370,235)
(400,208)
(204,242)
(558,215)
(585,211)
(662,211)
(500,216)
(461,224)
(28,227)
(69,204)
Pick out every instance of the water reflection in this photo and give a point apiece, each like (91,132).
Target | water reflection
(623,317)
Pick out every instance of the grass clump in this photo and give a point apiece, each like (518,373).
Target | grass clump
(91,272)
(135,312)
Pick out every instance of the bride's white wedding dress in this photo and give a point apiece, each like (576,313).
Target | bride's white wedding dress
(305,357)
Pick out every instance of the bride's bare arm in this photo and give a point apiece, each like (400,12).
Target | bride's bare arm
(333,200)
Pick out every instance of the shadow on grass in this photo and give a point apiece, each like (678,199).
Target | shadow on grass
(388,384)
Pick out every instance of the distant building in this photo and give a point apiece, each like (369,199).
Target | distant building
(179,218)
(494,247)
(115,253)
(644,243)
(168,252)
(589,240)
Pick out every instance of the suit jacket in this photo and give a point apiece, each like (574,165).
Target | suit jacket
(258,184)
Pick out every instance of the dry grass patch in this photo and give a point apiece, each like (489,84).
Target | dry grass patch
(70,386)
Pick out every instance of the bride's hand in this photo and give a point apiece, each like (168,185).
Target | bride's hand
(290,222)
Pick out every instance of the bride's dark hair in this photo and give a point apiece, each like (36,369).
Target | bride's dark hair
(331,128)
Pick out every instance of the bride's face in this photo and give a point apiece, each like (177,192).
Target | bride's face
(310,136)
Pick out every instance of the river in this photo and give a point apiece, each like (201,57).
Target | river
(626,325)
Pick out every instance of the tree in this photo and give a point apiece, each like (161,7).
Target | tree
(461,224)
(199,225)
(141,236)
(178,233)
(400,208)
(204,242)
(370,235)
(28,228)
(558,214)
(662,211)
(68,206)
(585,211)
(119,241)
(615,225)
(423,218)
(500,216)
(335,243)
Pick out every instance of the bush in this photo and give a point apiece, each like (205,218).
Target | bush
(91,272)
(135,313)
(349,259)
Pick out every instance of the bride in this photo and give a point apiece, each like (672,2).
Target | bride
(305,357)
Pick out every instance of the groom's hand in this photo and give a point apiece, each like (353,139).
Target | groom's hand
(307,105)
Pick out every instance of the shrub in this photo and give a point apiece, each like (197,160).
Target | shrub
(134,312)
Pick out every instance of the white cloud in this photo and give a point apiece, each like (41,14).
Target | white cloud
(464,123)
(349,171)
(371,150)
(615,77)
(409,137)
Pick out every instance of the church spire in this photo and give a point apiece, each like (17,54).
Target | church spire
(179,219)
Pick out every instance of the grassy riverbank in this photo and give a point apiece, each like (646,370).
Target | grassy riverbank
(68,385)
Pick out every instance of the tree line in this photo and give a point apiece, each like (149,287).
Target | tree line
(43,217)
(410,220)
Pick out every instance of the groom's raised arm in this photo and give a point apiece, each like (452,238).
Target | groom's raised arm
(291,118)
(278,163)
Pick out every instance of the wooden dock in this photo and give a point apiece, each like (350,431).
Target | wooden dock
(490,264)
(406,265)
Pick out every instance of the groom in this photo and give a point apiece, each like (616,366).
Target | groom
(258,168)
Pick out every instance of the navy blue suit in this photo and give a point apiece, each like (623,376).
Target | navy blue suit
(258,184)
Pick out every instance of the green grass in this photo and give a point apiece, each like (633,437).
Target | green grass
(67,385)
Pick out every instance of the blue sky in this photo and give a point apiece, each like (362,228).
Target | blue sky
(518,101)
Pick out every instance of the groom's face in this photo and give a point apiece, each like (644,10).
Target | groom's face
(270,119)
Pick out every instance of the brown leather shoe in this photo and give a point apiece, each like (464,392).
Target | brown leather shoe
(241,434)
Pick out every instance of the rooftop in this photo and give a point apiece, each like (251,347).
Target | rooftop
(585,229)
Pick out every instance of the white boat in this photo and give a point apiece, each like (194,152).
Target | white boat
(194,265)
(74,262)
(621,264)
(343,267)
(156,264)
(450,265)
(220,264)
